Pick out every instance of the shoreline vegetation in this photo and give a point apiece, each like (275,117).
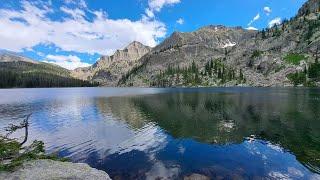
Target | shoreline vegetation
(20,160)
(14,153)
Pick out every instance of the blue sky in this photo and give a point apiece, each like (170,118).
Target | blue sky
(75,33)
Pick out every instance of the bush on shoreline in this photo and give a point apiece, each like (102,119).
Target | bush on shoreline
(13,153)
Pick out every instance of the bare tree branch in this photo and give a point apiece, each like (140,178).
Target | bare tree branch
(25,124)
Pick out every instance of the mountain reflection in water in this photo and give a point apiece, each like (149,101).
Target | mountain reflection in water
(246,133)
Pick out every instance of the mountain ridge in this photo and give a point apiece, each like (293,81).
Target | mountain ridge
(261,58)
(214,55)
(7,56)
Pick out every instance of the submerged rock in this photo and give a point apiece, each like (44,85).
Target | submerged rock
(49,169)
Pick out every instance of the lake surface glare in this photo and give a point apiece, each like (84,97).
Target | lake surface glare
(145,133)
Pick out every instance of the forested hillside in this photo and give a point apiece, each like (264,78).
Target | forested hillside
(24,74)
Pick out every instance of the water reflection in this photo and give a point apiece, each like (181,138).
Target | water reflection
(233,134)
(291,120)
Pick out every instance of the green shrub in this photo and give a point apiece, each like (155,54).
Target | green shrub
(294,58)
(314,71)
(14,153)
(297,78)
(256,54)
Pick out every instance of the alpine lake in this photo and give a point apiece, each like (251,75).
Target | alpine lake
(146,133)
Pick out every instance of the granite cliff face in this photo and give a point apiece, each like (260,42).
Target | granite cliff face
(109,69)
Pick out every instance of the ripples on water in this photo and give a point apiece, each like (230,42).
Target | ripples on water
(172,133)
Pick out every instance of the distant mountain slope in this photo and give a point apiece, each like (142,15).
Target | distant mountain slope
(19,71)
(109,69)
(284,55)
(6,56)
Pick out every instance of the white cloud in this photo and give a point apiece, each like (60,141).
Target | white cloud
(75,13)
(40,54)
(275,21)
(69,62)
(149,13)
(267,10)
(157,5)
(257,17)
(100,35)
(61,58)
(252,28)
(81,3)
(180,21)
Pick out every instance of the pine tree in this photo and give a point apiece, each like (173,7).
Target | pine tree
(317,54)
(305,70)
(211,64)
(215,67)
(263,34)
(193,67)
(240,75)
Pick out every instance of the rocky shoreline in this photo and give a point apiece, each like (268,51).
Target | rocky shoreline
(49,169)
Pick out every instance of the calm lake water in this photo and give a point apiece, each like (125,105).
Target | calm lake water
(134,133)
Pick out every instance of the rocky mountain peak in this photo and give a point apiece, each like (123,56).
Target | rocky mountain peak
(135,44)
(213,27)
(108,69)
(213,36)
(133,51)
(310,6)
(220,28)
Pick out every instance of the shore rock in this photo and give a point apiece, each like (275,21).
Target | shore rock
(49,169)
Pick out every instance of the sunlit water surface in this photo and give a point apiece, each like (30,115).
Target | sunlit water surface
(134,133)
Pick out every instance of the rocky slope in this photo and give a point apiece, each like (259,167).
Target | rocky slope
(48,169)
(109,69)
(309,7)
(222,56)
(6,56)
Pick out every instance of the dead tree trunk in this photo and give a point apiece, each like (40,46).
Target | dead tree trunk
(26,125)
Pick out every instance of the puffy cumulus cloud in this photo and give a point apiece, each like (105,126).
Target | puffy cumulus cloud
(275,21)
(267,10)
(180,21)
(69,62)
(256,18)
(31,26)
(157,5)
